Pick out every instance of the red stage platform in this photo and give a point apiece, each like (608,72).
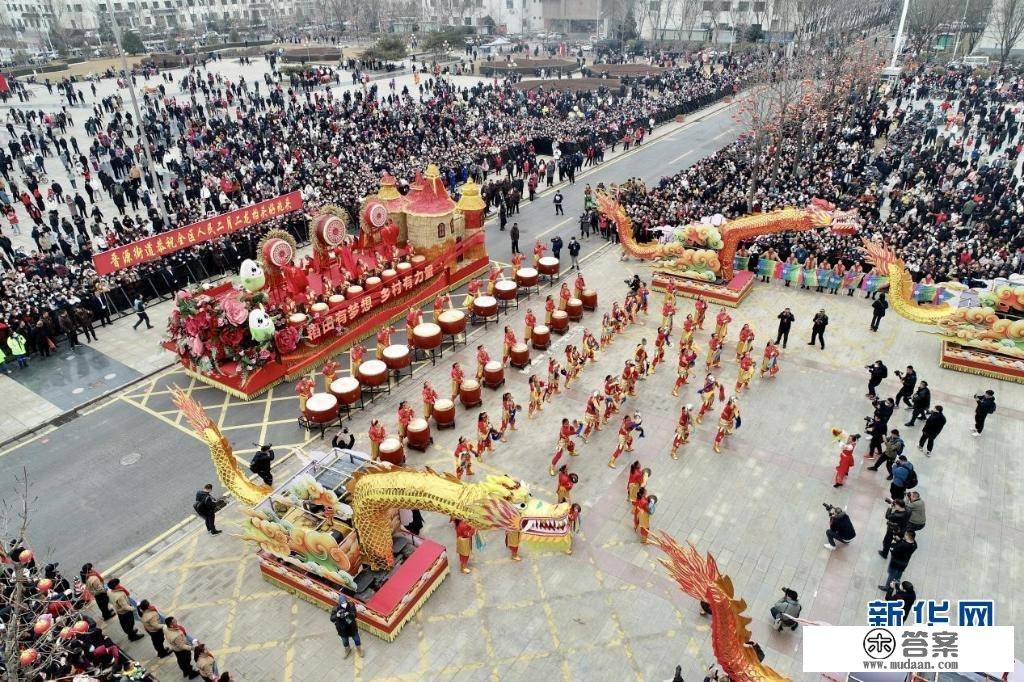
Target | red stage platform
(729,294)
(978,361)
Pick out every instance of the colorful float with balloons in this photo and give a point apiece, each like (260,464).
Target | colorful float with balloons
(286,314)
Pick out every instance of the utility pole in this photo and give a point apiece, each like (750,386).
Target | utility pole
(154,178)
(898,43)
(960,29)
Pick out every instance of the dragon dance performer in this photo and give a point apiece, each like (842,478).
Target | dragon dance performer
(643,508)
(625,440)
(429,396)
(613,396)
(383,340)
(632,308)
(458,375)
(668,311)
(682,435)
(700,310)
(634,481)
(413,318)
(517,262)
(722,321)
(537,390)
(512,542)
(472,291)
(482,358)
(554,372)
(566,481)
(592,415)
(846,460)
(746,340)
(538,251)
(715,345)
(687,359)
(629,377)
(405,415)
(707,395)
(607,330)
(492,277)
(746,372)
(565,442)
(563,296)
(464,453)
(643,296)
(377,435)
(509,409)
(464,542)
(590,346)
(727,421)
(659,348)
(506,348)
(575,363)
(770,363)
(440,303)
(483,435)
(549,309)
(355,355)
(579,286)
(531,322)
(689,327)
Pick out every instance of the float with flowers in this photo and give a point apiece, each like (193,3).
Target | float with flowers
(287,315)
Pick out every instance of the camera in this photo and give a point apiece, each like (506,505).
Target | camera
(828,507)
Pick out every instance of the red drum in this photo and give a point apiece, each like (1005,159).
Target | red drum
(297,320)
(520,355)
(336,299)
(494,374)
(505,290)
(541,337)
(388,275)
(321,408)
(559,322)
(452,322)
(404,268)
(574,307)
(396,356)
(469,393)
(418,435)
(347,390)
(526,277)
(548,265)
(485,306)
(426,336)
(418,260)
(391,451)
(589,299)
(372,283)
(354,291)
(373,373)
(318,309)
(444,413)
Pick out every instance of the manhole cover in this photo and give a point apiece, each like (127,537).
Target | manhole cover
(76,391)
(110,376)
(130,459)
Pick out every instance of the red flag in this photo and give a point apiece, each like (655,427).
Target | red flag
(4,87)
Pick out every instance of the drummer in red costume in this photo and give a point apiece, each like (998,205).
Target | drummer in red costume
(506,348)
(377,435)
(566,481)
(383,340)
(700,307)
(746,341)
(659,348)
(592,417)
(492,278)
(472,291)
(458,376)
(441,303)
(482,358)
(629,377)
(715,344)
(613,392)
(728,419)
(538,251)
(509,409)
(722,321)
(355,354)
(565,442)
(405,417)
(464,543)
(590,346)
(517,262)
(554,374)
(429,398)
(687,359)
(531,322)
(683,426)
(414,318)
(549,309)
(707,395)
(483,435)
(537,389)
(573,365)
(746,372)
(563,296)
(770,362)
(579,286)
(625,440)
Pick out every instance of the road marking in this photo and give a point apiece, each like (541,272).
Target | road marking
(554,227)
(681,156)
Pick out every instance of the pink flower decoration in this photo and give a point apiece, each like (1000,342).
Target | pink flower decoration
(235,311)
(195,346)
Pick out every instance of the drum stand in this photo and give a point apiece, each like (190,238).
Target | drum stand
(434,353)
(398,374)
(374,391)
(505,302)
(455,340)
(310,425)
(477,319)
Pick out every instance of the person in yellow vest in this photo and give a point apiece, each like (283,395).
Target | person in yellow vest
(16,342)
(119,598)
(154,628)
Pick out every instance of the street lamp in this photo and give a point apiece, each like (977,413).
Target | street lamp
(154,178)
(898,43)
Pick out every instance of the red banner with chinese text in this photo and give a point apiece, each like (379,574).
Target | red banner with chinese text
(165,243)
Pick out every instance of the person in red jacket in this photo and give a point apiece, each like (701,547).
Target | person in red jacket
(682,435)
(728,420)
(405,416)
(593,414)
(625,440)
(482,358)
(464,543)
(414,318)
(563,296)
(549,309)
(458,376)
(429,396)
(565,433)
(635,481)
(566,481)
(659,348)
(531,322)
(687,359)
(579,286)
(700,311)
(377,435)
(846,461)
(509,342)
(642,510)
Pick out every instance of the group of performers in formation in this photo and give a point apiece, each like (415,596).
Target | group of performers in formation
(604,403)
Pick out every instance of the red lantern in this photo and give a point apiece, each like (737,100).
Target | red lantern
(29,656)
(81,627)
(44,585)
(42,626)
(26,556)
(67,633)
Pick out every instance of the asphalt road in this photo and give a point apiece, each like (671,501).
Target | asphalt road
(113,479)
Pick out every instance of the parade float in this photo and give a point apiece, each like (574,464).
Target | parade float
(286,315)
(698,258)
(334,528)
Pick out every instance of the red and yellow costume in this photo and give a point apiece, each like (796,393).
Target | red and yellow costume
(464,543)
(746,341)
(687,359)
(659,348)
(640,358)
(642,510)
(377,435)
(565,442)
(668,310)
(440,303)
(531,322)
(689,327)
(700,307)
(554,372)
(483,435)
(715,345)
(642,295)
(707,395)
(565,485)
(383,340)
(538,251)
(537,390)
(464,458)
(726,422)
(405,415)
(637,479)
(563,296)
(590,346)
(625,440)
(612,390)
(592,415)
(429,396)
(512,542)
(506,348)
(472,291)
(457,375)
(770,362)
(508,416)
(549,310)
(304,388)
(482,358)
(722,321)
(517,262)
(607,330)
(846,463)
(579,286)
(413,318)
(492,278)
(682,435)
(355,354)
(746,372)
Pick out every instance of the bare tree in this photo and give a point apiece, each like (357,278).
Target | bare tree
(924,20)
(1006,25)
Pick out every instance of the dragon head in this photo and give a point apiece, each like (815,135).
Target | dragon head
(508,505)
(825,214)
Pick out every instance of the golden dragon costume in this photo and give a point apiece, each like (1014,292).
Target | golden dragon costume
(231,478)
(498,502)
(698,577)
(715,263)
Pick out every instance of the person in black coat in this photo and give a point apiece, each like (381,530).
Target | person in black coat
(878,305)
(933,426)
(786,320)
(878,371)
(986,405)
(344,618)
(922,401)
(206,506)
(897,516)
(902,592)
(818,325)
(899,559)
(260,464)
(840,527)
(908,381)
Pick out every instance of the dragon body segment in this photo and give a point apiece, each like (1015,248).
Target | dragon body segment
(498,502)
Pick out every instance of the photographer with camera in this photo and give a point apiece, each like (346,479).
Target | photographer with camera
(877,372)
(902,592)
(634,284)
(876,430)
(900,551)
(934,422)
(840,527)
(921,402)
(786,609)
(893,448)
(908,381)
(260,463)
(986,405)
(896,519)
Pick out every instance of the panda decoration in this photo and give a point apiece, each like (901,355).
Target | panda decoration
(251,275)
(261,325)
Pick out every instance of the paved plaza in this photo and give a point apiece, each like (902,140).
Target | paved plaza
(116,480)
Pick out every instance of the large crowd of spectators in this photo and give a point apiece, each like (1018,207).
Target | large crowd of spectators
(932,166)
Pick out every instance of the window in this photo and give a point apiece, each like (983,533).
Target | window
(468,21)
(759,6)
(743,6)
(655,6)
(508,4)
(725,5)
(709,5)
